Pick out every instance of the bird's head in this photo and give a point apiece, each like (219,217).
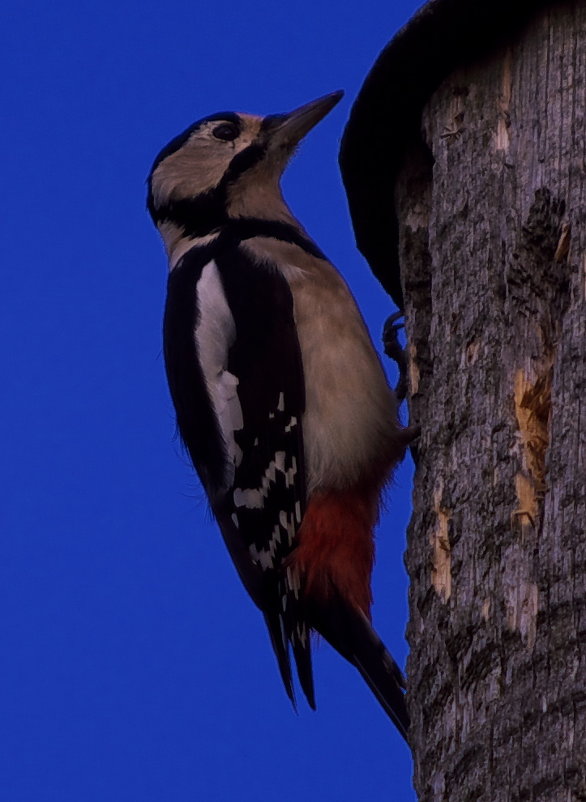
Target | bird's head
(227,166)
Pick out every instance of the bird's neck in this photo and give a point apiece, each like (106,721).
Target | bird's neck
(177,242)
(201,220)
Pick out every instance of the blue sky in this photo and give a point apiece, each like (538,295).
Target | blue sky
(133,665)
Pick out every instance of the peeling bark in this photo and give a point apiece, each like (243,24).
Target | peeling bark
(492,242)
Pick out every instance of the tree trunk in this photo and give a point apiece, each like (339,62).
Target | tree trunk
(492,246)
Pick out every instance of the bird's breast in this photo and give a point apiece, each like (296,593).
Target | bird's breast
(350,427)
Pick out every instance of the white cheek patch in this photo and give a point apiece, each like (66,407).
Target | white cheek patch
(199,165)
(214,334)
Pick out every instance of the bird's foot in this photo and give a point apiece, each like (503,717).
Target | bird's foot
(396,352)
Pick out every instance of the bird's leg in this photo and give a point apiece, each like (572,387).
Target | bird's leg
(396,352)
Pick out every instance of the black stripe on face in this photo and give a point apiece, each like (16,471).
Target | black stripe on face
(178,212)
(243,161)
(196,216)
(204,213)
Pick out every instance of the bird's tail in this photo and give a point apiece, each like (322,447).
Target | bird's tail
(334,556)
(350,632)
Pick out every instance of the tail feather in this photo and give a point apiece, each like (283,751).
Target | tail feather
(350,632)
(301,646)
(280,646)
(302,654)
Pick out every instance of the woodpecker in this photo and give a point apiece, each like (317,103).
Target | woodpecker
(281,400)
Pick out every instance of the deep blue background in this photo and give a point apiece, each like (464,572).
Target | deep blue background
(133,666)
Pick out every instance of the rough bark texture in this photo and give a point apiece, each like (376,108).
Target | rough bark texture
(492,244)
(385,118)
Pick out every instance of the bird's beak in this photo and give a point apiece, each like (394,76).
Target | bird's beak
(286,130)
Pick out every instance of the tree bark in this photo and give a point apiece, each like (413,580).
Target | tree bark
(492,246)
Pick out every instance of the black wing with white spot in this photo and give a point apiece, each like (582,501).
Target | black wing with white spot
(235,373)
(198,424)
(269,492)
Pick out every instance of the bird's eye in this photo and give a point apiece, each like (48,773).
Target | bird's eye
(226,131)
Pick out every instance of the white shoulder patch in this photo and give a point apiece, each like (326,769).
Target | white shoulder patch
(214,334)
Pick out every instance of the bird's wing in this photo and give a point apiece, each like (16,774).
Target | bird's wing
(235,373)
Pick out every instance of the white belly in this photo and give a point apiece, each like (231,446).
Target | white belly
(350,420)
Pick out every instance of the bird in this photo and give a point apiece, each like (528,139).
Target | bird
(281,399)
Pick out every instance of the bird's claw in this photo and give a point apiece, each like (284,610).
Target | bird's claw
(396,352)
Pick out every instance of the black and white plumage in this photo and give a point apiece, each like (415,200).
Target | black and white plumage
(281,400)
